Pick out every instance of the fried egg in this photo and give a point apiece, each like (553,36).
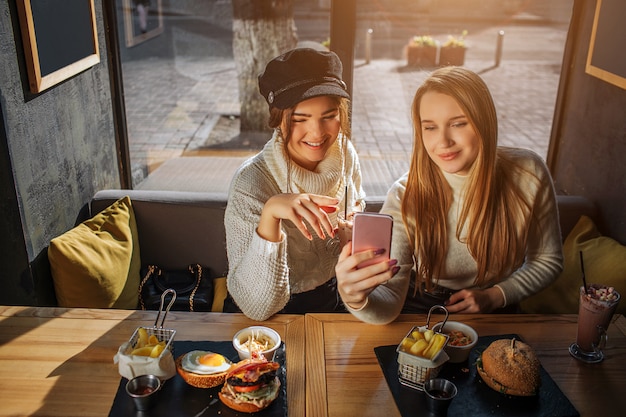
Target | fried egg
(205,363)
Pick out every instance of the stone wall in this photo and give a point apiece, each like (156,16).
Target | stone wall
(59,148)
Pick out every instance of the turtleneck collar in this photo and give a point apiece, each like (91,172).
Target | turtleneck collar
(456,181)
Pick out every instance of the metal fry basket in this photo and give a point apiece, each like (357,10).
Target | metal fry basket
(414,371)
(157,330)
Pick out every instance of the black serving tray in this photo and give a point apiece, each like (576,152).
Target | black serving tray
(474,397)
(177,398)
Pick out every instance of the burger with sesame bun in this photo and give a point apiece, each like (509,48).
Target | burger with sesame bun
(251,385)
(510,367)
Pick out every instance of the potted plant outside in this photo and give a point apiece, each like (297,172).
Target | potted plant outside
(452,51)
(422,52)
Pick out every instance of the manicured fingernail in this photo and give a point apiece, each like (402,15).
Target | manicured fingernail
(379,252)
(395,270)
(392,262)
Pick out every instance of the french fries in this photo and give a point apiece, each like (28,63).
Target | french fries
(148,345)
(425,344)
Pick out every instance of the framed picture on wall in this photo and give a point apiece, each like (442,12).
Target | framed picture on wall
(60,40)
(606,59)
(143,20)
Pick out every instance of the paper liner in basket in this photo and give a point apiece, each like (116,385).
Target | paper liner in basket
(163,366)
(414,370)
(131,366)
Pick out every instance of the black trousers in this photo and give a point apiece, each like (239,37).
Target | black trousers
(420,303)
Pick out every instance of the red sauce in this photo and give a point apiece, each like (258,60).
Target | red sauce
(437,393)
(144,390)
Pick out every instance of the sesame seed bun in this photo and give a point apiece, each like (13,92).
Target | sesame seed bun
(510,367)
(199,380)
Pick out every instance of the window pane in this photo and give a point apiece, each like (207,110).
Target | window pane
(182,98)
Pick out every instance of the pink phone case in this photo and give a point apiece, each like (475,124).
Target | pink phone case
(372,231)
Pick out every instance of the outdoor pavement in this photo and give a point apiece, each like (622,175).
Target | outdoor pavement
(183,112)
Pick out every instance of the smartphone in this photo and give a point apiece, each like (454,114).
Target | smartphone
(371,231)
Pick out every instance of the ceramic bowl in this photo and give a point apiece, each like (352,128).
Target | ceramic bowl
(245,341)
(458,354)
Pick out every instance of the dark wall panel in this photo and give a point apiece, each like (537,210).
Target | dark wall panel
(60,148)
(591,131)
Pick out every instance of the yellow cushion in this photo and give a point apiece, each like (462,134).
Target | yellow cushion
(97,263)
(219,294)
(605,263)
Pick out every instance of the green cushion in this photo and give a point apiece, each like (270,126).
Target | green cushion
(605,263)
(97,263)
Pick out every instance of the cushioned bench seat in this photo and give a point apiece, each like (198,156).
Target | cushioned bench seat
(176,229)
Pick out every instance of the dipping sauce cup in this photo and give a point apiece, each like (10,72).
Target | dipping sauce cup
(143,390)
(439,394)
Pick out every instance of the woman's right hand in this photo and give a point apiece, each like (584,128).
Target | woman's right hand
(297,208)
(355,284)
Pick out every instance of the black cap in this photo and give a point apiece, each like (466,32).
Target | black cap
(301,74)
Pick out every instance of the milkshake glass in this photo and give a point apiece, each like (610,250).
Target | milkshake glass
(595,311)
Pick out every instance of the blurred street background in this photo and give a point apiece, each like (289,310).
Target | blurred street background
(181,92)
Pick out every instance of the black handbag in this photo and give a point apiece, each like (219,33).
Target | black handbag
(194,288)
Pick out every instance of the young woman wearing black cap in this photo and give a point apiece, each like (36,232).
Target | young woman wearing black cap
(283,202)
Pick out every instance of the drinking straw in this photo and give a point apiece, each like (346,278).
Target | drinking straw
(345,204)
(582,267)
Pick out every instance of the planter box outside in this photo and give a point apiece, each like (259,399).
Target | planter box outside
(421,56)
(451,56)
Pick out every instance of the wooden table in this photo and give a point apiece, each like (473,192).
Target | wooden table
(343,374)
(59,362)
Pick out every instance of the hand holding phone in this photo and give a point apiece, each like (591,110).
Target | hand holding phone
(372,231)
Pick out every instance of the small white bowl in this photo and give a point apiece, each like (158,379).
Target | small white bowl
(458,354)
(242,336)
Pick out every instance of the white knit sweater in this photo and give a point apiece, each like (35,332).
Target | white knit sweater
(262,274)
(544,255)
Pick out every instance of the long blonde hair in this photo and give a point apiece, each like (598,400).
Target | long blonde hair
(495,213)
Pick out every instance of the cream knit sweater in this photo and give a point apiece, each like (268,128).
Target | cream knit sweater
(262,275)
(544,255)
